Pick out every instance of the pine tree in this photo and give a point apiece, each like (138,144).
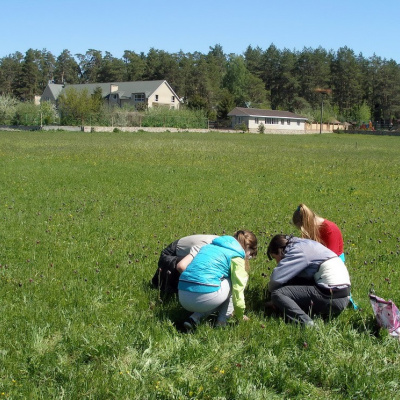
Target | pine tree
(28,83)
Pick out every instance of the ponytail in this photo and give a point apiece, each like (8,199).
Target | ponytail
(306,220)
(247,240)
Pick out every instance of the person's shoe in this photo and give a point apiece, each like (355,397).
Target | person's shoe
(309,324)
(270,306)
(190,324)
(220,324)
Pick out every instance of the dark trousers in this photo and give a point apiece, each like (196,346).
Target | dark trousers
(299,302)
(166,278)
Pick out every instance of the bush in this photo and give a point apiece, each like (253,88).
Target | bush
(8,107)
(75,107)
(26,114)
(241,127)
(48,113)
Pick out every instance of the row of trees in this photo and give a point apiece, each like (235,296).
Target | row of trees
(362,88)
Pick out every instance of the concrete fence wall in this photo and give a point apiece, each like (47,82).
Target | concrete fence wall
(325,127)
(165,129)
(309,129)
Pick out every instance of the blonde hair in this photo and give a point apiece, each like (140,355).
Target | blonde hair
(306,220)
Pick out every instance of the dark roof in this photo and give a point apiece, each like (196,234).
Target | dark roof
(55,89)
(124,88)
(256,112)
(147,87)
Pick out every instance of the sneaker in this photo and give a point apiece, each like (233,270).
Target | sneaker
(190,324)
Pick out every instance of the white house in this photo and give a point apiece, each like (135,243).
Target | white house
(141,94)
(272,120)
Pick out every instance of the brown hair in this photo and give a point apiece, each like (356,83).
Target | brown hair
(277,245)
(247,240)
(306,220)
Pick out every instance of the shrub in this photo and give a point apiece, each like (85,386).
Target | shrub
(48,113)
(26,114)
(8,107)
(241,127)
(75,107)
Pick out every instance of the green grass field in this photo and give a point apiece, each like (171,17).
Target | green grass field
(84,217)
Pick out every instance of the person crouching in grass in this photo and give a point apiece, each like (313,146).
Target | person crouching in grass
(215,279)
(309,279)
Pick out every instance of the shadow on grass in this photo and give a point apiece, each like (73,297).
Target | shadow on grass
(167,306)
(359,320)
(365,323)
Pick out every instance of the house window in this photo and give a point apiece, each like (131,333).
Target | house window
(156,97)
(288,121)
(256,120)
(115,96)
(282,122)
(271,121)
(173,99)
(139,97)
(298,123)
(239,120)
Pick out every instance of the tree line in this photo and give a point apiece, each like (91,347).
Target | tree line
(215,82)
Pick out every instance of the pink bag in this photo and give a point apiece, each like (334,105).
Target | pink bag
(387,314)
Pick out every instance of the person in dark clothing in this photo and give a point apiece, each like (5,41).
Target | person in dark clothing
(166,277)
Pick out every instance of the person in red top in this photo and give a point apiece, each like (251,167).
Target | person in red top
(314,227)
(326,232)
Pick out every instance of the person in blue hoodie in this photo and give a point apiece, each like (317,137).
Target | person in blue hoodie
(215,279)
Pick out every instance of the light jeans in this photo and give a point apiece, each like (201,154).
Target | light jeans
(204,304)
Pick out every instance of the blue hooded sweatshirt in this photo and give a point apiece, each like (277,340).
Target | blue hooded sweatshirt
(211,265)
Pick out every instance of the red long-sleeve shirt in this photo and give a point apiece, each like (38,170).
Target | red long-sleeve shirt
(331,236)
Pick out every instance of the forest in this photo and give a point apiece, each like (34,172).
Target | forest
(360,88)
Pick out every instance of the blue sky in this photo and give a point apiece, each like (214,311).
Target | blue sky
(365,26)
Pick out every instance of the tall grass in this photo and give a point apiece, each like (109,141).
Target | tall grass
(85,216)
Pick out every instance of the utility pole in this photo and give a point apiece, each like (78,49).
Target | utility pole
(322,91)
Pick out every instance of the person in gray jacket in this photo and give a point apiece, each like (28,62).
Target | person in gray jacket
(309,279)
(166,277)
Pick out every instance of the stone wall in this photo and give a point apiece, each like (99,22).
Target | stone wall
(87,128)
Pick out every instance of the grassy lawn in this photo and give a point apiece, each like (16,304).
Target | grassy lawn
(84,217)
